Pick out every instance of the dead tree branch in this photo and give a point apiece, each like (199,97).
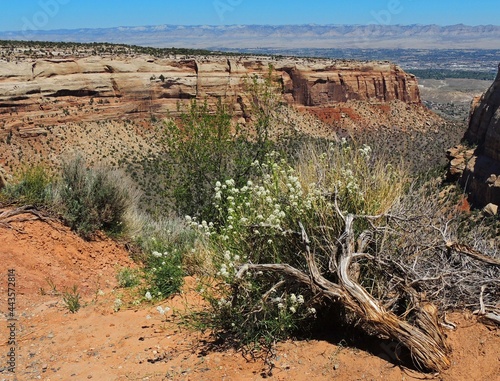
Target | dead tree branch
(424,337)
(22,214)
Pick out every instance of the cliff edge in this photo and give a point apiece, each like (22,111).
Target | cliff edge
(476,163)
(44,91)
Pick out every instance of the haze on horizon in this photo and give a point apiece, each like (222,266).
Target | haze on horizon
(75,14)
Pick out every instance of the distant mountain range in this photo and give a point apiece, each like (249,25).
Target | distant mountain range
(281,37)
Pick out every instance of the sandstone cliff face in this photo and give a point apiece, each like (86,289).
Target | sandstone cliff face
(484,125)
(44,91)
(478,169)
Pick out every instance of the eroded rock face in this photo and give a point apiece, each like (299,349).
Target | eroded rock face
(478,169)
(3,178)
(42,91)
(484,125)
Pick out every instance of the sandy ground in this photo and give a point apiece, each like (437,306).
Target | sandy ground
(138,343)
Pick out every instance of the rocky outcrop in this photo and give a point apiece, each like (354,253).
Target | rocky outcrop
(484,125)
(3,180)
(478,168)
(37,92)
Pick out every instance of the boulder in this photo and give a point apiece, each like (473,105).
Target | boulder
(3,180)
(490,210)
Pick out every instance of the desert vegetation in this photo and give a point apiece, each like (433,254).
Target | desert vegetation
(282,232)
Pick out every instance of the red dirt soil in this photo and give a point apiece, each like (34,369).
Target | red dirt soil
(137,343)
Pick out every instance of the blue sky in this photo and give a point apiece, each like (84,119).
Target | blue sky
(73,14)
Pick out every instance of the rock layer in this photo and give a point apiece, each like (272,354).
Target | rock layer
(47,90)
(478,169)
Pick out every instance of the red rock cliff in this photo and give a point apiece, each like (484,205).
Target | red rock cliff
(478,169)
(48,90)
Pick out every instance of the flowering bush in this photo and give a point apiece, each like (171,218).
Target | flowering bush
(164,274)
(261,223)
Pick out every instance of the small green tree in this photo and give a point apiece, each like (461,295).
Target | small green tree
(203,148)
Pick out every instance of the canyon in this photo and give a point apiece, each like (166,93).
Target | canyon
(45,91)
(109,101)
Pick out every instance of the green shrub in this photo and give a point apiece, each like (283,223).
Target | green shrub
(164,273)
(171,251)
(128,277)
(205,146)
(92,199)
(31,186)
(202,148)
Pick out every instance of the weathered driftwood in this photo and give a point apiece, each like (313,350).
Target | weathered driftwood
(472,253)
(493,317)
(21,214)
(424,338)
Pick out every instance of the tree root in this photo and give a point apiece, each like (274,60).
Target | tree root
(22,214)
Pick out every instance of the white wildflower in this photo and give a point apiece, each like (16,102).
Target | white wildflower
(223,271)
(148,296)
(222,302)
(118,304)
(162,310)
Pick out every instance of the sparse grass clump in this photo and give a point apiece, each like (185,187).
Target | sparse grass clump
(31,186)
(128,277)
(72,299)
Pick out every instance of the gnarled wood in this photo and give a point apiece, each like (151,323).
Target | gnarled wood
(424,338)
